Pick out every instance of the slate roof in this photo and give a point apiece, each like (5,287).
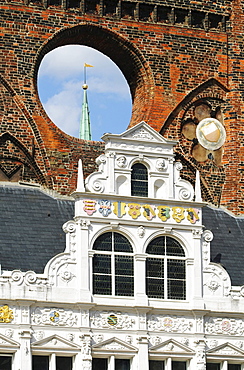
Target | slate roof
(31,227)
(227,246)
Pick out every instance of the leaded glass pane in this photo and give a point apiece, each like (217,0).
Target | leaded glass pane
(178,365)
(155,267)
(122,244)
(63,363)
(5,362)
(176,269)
(124,265)
(156,246)
(102,264)
(173,247)
(124,285)
(99,364)
(103,242)
(212,366)
(155,288)
(102,284)
(40,363)
(122,364)
(139,180)
(156,365)
(234,366)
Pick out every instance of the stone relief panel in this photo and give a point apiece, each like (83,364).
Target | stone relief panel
(226,326)
(54,317)
(170,324)
(112,320)
(216,281)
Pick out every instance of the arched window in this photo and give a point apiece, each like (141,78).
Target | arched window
(113,265)
(139,180)
(165,269)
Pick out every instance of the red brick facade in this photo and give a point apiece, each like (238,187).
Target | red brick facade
(174,56)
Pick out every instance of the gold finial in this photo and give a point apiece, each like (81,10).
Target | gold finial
(84,86)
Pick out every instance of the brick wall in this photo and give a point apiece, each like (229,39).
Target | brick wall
(167,52)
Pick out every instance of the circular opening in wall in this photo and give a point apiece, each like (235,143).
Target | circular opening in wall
(60,80)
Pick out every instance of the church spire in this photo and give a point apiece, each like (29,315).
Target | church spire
(85,125)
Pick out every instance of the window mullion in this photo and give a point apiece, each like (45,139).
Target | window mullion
(113,266)
(165,278)
(52,362)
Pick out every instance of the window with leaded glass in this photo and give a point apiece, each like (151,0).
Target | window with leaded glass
(113,265)
(42,363)
(156,365)
(5,362)
(165,269)
(139,180)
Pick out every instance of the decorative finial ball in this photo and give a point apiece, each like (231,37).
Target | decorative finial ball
(85,87)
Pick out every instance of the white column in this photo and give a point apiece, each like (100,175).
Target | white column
(140,280)
(111,363)
(52,362)
(25,351)
(83,259)
(197,278)
(224,365)
(168,363)
(143,353)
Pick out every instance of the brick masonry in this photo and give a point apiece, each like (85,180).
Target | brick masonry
(193,53)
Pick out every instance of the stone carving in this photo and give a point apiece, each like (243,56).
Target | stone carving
(39,335)
(169,324)
(121,161)
(185,194)
(54,316)
(226,326)
(216,280)
(141,231)
(6,314)
(207,236)
(161,164)
(156,340)
(9,333)
(185,341)
(69,227)
(99,338)
(128,339)
(143,134)
(98,186)
(100,320)
(65,274)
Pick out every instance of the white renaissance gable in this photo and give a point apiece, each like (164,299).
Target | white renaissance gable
(226,349)
(6,342)
(140,132)
(171,345)
(114,345)
(139,146)
(55,341)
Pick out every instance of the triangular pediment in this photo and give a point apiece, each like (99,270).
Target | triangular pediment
(7,342)
(114,344)
(54,341)
(171,345)
(226,349)
(141,132)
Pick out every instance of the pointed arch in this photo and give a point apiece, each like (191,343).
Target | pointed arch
(194,95)
(29,158)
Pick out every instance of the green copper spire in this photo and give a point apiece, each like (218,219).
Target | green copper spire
(85,126)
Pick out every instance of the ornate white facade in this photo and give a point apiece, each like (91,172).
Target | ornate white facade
(59,313)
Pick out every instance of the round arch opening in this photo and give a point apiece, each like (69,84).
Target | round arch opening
(124,54)
(60,78)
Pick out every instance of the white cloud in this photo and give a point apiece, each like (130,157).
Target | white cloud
(60,80)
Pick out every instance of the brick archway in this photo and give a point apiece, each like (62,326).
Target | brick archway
(122,52)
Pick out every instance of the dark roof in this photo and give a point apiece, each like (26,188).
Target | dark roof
(31,227)
(227,246)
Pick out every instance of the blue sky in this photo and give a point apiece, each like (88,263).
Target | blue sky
(60,80)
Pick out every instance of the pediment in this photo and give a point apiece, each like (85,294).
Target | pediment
(114,344)
(226,349)
(141,132)
(54,341)
(8,342)
(171,345)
